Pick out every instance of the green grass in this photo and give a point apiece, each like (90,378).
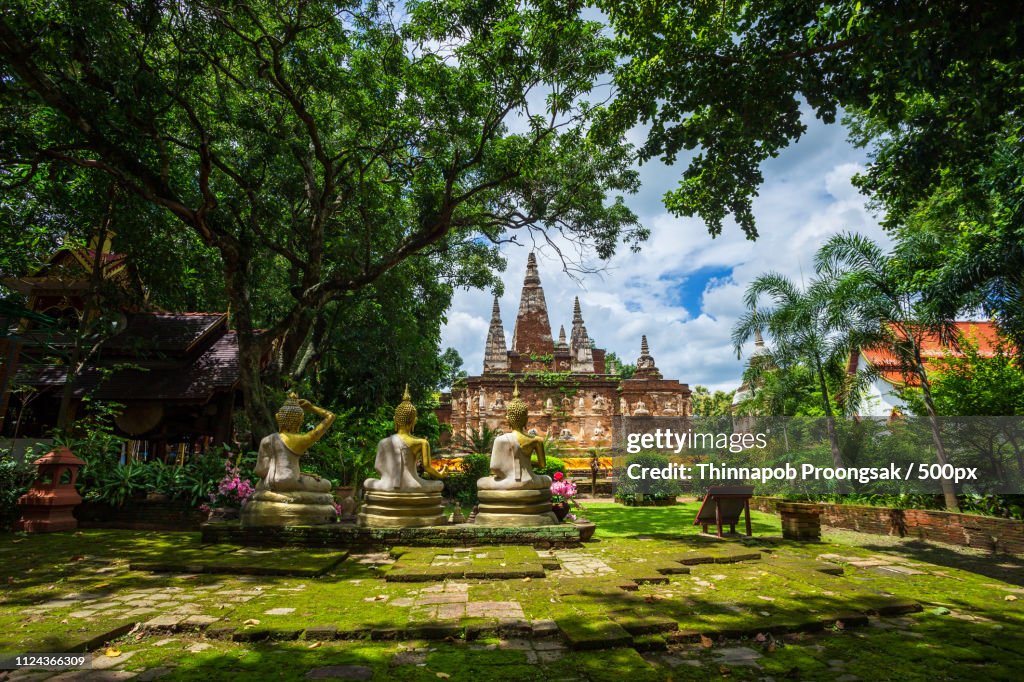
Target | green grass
(620,521)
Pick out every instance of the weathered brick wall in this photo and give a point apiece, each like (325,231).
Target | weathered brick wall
(140,515)
(589,425)
(967,530)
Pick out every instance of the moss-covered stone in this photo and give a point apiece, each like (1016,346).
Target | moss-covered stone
(593,633)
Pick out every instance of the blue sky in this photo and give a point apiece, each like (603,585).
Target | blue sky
(684,289)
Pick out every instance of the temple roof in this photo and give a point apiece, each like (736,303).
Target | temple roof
(984,335)
(165,332)
(175,357)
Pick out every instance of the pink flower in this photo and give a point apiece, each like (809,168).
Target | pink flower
(559,476)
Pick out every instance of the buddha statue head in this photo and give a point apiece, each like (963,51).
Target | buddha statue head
(517,411)
(289,417)
(405,413)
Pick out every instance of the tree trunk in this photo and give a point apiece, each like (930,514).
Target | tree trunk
(948,490)
(250,349)
(830,423)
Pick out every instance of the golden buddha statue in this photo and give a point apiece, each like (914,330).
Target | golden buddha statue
(514,495)
(401,497)
(284,495)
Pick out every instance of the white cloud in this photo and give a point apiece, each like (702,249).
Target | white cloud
(807,196)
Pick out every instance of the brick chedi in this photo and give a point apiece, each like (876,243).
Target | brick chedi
(571,392)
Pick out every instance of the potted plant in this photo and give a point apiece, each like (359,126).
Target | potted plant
(563,492)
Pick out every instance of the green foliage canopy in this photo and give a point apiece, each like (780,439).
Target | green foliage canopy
(933,84)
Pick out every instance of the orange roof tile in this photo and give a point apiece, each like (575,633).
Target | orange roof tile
(984,335)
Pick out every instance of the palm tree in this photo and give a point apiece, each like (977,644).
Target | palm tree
(870,293)
(801,331)
(478,441)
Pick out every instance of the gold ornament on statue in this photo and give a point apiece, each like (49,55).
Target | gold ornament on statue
(517,412)
(289,417)
(405,413)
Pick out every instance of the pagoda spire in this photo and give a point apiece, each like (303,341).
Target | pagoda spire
(532,333)
(495,352)
(561,337)
(645,367)
(579,342)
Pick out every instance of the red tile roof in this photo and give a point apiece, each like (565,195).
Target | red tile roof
(984,335)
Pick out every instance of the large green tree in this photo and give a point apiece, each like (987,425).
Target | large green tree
(934,84)
(316,145)
(964,246)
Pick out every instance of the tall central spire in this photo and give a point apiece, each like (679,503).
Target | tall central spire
(532,333)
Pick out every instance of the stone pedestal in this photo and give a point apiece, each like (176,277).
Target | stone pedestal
(800,521)
(397,509)
(268,508)
(519,507)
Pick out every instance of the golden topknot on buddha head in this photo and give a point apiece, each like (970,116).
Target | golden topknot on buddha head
(517,411)
(405,413)
(290,416)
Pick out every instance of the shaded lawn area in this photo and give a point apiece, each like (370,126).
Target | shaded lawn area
(619,521)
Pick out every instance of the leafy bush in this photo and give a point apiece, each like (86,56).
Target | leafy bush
(119,484)
(15,479)
(345,455)
(163,478)
(461,485)
(201,477)
(551,465)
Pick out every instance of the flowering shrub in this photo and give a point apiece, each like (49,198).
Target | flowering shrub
(562,489)
(232,491)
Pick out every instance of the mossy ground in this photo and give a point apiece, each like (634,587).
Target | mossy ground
(670,603)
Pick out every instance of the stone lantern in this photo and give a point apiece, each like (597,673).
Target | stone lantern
(48,504)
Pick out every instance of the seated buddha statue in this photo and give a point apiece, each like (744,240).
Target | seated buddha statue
(284,495)
(515,495)
(398,454)
(277,463)
(512,452)
(401,498)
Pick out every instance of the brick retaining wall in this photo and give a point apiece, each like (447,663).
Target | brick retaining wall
(968,530)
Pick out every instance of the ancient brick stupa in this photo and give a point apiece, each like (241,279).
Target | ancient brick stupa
(571,391)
